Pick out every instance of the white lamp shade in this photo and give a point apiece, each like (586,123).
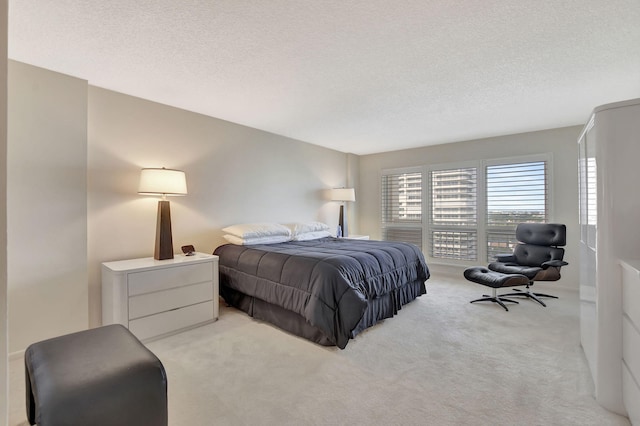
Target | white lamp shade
(162,182)
(343,194)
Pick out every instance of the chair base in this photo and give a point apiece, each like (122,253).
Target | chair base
(531,295)
(495,298)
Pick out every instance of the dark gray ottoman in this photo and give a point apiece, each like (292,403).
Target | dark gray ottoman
(98,377)
(495,280)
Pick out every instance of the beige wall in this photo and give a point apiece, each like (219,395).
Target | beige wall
(3,218)
(75,154)
(561,143)
(47,202)
(234,174)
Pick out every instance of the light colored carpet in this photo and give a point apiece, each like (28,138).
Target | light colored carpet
(441,361)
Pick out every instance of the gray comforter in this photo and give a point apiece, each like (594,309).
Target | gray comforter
(329,282)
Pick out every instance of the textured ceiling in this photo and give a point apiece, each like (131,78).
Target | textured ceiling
(359,76)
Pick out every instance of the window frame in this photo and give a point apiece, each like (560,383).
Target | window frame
(547,158)
(427,243)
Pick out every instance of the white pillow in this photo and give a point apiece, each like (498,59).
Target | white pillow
(257,230)
(298,228)
(273,239)
(311,236)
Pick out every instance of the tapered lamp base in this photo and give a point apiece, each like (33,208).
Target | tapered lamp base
(164,240)
(342,221)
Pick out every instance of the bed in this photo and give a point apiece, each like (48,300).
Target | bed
(326,290)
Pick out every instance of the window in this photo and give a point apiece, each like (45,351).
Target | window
(588,187)
(516,193)
(472,208)
(454,213)
(402,207)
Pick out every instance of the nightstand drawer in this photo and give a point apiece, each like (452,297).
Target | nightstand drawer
(166,278)
(160,301)
(166,322)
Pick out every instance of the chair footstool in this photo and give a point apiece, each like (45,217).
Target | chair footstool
(99,377)
(495,280)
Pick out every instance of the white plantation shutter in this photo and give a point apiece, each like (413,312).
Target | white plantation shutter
(515,193)
(500,242)
(404,234)
(459,245)
(402,207)
(465,213)
(453,214)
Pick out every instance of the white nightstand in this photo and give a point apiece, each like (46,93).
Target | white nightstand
(155,298)
(357,237)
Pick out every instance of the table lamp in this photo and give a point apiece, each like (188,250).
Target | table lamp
(344,195)
(163,182)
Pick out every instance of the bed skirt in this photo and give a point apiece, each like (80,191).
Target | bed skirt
(377,310)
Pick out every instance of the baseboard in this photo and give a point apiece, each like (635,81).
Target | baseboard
(447,269)
(551,285)
(16,355)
